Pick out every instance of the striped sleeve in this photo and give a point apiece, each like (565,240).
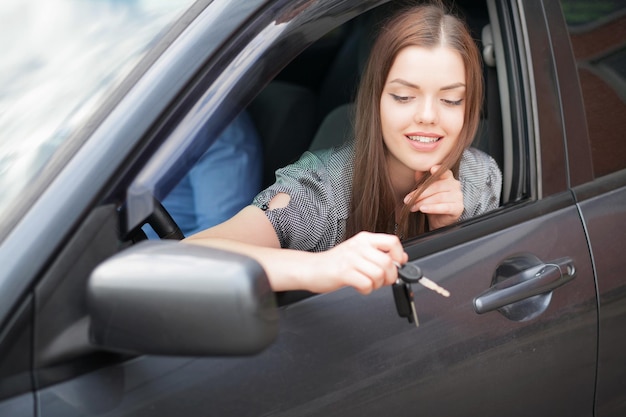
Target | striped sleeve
(312,221)
(481,183)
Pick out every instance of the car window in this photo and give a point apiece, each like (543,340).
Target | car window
(598,36)
(60,60)
(312,95)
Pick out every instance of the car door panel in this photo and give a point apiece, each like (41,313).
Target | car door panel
(589,53)
(603,206)
(456,362)
(345,354)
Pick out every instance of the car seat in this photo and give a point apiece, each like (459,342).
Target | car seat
(340,84)
(284,115)
(336,128)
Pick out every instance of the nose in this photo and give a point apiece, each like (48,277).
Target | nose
(426,111)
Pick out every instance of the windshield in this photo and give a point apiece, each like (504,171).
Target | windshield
(59,60)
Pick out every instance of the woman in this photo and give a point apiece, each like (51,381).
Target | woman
(335,218)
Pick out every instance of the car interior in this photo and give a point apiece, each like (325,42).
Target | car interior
(308,105)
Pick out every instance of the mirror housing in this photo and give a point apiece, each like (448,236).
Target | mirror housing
(173,298)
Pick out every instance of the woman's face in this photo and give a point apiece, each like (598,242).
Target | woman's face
(422,108)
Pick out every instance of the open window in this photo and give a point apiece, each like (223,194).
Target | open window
(299,95)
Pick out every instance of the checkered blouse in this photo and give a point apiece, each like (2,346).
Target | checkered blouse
(320,183)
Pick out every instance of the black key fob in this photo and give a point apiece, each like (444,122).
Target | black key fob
(403,297)
(410,273)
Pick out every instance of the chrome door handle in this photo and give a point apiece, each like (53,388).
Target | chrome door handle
(536,280)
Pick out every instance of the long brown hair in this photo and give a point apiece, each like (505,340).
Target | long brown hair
(372,204)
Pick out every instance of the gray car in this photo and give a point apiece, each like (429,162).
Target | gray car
(104,106)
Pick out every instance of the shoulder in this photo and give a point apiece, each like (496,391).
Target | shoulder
(339,157)
(481,182)
(474,157)
(477,166)
(319,191)
(332,165)
(338,172)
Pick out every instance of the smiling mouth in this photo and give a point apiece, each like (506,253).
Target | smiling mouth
(424,139)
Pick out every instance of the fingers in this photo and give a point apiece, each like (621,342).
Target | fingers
(379,267)
(387,243)
(444,196)
(442,201)
(368,260)
(448,209)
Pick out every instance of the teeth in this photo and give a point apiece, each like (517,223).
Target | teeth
(423,139)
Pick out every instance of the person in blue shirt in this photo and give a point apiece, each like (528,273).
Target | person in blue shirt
(223,181)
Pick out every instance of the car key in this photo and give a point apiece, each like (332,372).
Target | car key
(411,273)
(403,297)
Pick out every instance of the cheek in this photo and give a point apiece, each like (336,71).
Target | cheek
(386,118)
(454,120)
(394,118)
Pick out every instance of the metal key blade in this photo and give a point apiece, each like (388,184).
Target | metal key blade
(411,273)
(412,302)
(434,286)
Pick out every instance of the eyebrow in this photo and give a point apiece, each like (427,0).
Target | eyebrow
(411,85)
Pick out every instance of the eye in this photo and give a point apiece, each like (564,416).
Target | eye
(400,99)
(453,102)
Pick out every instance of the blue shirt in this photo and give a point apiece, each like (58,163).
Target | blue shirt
(223,181)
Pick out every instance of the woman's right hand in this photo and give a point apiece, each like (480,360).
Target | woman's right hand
(366,262)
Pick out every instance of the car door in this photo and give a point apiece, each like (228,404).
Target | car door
(517,336)
(598,39)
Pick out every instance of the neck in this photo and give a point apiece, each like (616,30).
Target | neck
(402,179)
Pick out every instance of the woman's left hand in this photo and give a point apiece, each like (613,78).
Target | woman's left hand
(442,202)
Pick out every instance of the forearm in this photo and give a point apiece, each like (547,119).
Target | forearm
(286,269)
(366,261)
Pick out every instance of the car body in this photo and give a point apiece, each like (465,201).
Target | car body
(534,324)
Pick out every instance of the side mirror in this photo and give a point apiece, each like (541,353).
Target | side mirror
(172,298)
